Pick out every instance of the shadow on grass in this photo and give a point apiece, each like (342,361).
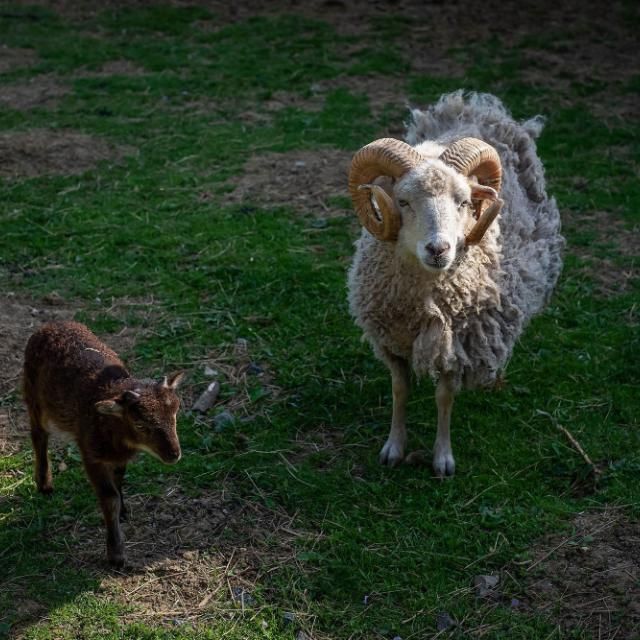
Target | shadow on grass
(188,557)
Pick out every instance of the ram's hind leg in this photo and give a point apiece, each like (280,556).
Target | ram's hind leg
(393,451)
(443,462)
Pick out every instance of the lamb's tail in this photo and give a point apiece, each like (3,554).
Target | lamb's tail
(483,116)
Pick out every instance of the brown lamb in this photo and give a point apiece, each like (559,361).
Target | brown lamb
(74,383)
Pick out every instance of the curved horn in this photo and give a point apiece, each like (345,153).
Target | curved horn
(385,156)
(473,157)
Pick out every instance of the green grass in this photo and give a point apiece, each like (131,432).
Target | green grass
(219,272)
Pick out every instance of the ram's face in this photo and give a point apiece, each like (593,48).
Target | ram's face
(435,204)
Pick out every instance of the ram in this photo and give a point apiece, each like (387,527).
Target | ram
(461,246)
(75,384)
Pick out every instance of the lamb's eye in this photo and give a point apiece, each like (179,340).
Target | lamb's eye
(464,204)
(140,427)
(403,203)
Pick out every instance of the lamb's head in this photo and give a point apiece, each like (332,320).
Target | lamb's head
(430,202)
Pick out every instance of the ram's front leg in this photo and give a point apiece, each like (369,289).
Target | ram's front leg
(393,451)
(443,462)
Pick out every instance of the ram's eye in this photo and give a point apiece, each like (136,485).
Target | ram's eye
(403,203)
(140,427)
(464,204)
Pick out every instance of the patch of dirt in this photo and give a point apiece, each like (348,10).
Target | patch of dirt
(36,152)
(190,558)
(14,58)
(382,92)
(590,581)
(120,67)
(304,180)
(41,91)
(609,277)
(19,318)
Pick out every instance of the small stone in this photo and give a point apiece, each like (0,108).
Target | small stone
(243,596)
(365,600)
(444,621)
(207,398)
(302,635)
(289,617)
(242,345)
(54,298)
(254,369)
(515,603)
(62,466)
(209,372)
(223,420)
(485,585)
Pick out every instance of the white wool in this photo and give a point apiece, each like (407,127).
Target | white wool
(466,320)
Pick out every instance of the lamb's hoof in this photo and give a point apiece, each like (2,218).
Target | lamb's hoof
(392,454)
(116,559)
(46,489)
(444,465)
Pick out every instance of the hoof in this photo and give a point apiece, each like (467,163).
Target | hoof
(116,560)
(392,454)
(444,465)
(46,489)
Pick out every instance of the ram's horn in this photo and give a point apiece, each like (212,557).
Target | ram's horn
(383,157)
(484,222)
(473,157)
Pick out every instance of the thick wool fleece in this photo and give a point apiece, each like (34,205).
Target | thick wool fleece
(464,322)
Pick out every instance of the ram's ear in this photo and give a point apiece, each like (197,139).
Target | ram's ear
(109,408)
(386,183)
(482,192)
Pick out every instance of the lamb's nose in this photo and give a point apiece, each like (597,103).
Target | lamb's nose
(438,248)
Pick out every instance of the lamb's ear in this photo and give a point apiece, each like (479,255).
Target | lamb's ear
(482,192)
(109,408)
(173,380)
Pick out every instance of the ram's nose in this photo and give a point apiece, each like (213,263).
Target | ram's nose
(437,249)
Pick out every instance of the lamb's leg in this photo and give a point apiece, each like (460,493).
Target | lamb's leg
(104,483)
(118,476)
(40,441)
(443,462)
(393,451)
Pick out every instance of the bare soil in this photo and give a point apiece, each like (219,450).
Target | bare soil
(15,58)
(27,154)
(303,180)
(113,68)
(44,91)
(189,557)
(590,580)
(614,237)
